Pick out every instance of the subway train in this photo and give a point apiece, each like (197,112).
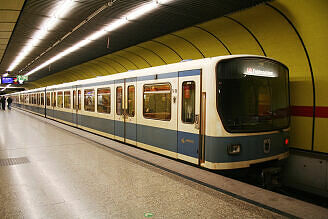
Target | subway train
(220,113)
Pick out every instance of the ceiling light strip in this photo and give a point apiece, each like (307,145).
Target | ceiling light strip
(48,24)
(132,15)
(108,4)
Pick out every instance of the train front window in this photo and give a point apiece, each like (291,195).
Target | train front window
(252,94)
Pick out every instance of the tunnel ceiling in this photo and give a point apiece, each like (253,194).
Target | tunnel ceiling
(168,18)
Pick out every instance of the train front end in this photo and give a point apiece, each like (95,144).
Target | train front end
(252,110)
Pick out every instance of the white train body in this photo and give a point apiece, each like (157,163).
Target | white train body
(174,110)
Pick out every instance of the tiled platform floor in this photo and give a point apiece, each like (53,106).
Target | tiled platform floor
(71,177)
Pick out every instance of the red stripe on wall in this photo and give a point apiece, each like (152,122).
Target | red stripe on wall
(307,111)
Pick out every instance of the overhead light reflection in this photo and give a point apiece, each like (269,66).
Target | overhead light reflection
(132,15)
(48,24)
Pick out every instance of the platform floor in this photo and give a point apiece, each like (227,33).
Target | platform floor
(59,174)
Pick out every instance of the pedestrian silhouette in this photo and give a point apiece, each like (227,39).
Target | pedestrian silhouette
(3,102)
(9,101)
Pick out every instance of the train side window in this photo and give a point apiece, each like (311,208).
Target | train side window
(157,101)
(48,99)
(119,100)
(67,99)
(131,101)
(188,102)
(54,99)
(42,99)
(38,99)
(103,100)
(74,99)
(34,98)
(79,99)
(89,100)
(60,99)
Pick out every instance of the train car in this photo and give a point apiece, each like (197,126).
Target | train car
(224,112)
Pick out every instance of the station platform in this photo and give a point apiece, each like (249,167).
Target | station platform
(51,170)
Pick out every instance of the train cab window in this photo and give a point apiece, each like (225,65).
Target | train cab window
(103,100)
(60,99)
(157,101)
(119,101)
(48,99)
(42,99)
(131,101)
(188,102)
(67,99)
(89,100)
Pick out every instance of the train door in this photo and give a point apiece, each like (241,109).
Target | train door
(189,116)
(53,103)
(76,105)
(125,110)
(130,111)
(119,118)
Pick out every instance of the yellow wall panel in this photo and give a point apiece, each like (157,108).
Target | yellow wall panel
(301,132)
(311,20)
(147,52)
(115,64)
(7,26)
(111,69)
(235,37)
(12,4)
(9,16)
(185,49)
(321,135)
(206,43)
(125,61)
(5,35)
(137,63)
(96,68)
(137,58)
(4,41)
(166,53)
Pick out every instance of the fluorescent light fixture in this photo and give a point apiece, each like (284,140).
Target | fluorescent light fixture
(135,14)
(132,15)
(58,12)
(6,87)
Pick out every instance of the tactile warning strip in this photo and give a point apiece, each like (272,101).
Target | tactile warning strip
(13,161)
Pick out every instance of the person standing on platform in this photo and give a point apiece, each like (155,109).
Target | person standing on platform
(3,102)
(9,101)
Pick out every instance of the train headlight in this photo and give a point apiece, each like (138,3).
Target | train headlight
(234,149)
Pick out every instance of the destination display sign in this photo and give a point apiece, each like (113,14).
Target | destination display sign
(14,80)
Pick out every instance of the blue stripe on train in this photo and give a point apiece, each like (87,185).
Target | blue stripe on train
(252,147)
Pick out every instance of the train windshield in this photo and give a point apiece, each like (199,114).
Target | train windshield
(252,94)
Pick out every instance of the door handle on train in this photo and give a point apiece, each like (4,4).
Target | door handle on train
(197,122)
